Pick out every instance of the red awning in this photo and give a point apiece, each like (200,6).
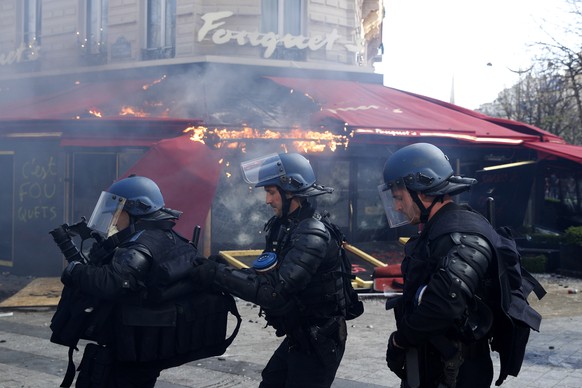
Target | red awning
(566,151)
(376,109)
(122,131)
(187,173)
(510,124)
(76,100)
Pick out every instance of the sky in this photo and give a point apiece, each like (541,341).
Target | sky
(464,48)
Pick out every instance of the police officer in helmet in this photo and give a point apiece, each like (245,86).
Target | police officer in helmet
(128,275)
(442,320)
(295,281)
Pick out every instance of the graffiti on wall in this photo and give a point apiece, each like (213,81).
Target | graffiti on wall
(37,189)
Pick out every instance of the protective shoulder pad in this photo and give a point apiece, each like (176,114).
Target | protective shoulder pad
(468,260)
(313,226)
(137,258)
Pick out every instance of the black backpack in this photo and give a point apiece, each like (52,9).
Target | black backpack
(513,317)
(354,306)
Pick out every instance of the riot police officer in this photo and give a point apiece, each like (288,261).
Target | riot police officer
(442,320)
(131,276)
(297,281)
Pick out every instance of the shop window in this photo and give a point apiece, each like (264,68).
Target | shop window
(334,173)
(369,217)
(94,172)
(562,205)
(160,29)
(6,207)
(571,189)
(284,17)
(239,212)
(94,46)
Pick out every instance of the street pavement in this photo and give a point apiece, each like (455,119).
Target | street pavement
(28,359)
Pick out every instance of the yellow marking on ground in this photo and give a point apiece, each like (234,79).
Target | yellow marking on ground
(41,292)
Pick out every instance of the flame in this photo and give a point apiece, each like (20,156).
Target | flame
(303,140)
(147,86)
(132,111)
(95,113)
(197,134)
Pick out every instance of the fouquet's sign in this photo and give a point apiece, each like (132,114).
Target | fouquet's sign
(21,54)
(214,23)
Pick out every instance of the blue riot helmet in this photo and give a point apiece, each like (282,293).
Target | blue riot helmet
(143,196)
(419,168)
(139,196)
(291,172)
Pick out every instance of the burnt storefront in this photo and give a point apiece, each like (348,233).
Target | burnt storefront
(189,129)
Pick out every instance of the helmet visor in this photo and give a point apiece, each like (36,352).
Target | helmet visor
(262,169)
(391,195)
(106,212)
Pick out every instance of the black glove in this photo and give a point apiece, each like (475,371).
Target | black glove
(218,259)
(204,272)
(67,277)
(395,358)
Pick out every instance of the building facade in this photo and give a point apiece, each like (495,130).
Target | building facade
(67,36)
(88,86)
(184,90)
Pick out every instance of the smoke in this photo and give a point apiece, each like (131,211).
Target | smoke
(105,115)
(224,98)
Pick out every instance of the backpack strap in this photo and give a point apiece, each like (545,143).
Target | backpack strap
(70,373)
(354,306)
(531,284)
(231,305)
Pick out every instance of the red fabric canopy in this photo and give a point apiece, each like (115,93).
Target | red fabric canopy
(566,151)
(510,124)
(376,109)
(187,173)
(76,100)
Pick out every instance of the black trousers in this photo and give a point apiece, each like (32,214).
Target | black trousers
(476,371)
(99,369)
(133,376)
(291,366)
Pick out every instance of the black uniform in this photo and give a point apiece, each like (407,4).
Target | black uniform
(139,321)
(448,271)
(302,298)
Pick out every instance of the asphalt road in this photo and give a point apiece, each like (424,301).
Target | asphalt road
(553,357)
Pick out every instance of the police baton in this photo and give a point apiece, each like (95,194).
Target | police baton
(412,369)
(195,236)
(491,211)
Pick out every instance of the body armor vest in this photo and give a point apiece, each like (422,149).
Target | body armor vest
(323,296)
(158,327)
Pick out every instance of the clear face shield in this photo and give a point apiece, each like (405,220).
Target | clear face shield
(105,215)
(262,169)
(392,200)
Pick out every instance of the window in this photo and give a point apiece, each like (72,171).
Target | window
(96,26)
(160,29)
(6,207)
(284,17)
(562,205)
(94,171)
(31,31)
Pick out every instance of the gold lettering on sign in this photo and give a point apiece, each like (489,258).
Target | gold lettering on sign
(213,21)
(21,54)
